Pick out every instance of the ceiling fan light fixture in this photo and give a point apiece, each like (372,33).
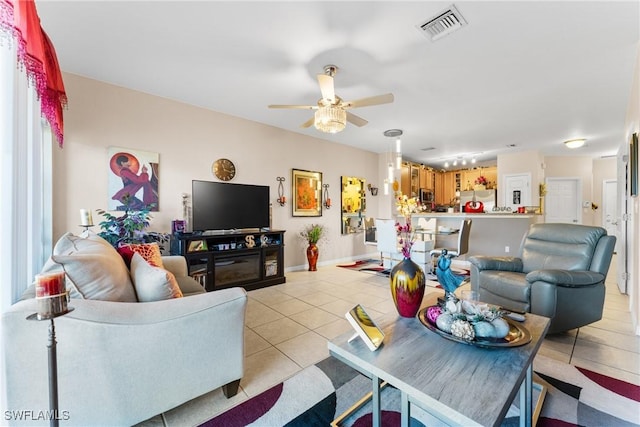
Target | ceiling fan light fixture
(575,143)
(330,119)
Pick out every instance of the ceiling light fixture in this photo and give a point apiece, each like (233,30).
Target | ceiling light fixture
(330,119)
(396,133)
(575,143)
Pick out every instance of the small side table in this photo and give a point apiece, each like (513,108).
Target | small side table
(53,363)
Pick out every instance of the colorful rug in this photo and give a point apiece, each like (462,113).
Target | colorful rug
(320,393)
(360,263)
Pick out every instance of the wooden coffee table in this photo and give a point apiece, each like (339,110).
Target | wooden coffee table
(457,383)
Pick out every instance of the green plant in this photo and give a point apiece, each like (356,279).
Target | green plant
(129,227)
(312,233)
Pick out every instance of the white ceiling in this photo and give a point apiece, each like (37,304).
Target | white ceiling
(528,74)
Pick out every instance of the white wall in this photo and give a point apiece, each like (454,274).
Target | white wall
(188,140)
(632,124)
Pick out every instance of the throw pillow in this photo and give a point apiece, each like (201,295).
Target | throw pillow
(153,283)
(94,269)
(149,251)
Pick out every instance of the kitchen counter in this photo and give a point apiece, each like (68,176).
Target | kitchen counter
(494,234)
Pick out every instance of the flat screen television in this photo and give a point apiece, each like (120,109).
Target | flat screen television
(225,206)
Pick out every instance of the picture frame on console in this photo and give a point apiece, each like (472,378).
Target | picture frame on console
(306,188)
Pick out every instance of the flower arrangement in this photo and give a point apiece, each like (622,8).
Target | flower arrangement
(481,180)
(312,233)
(406,206)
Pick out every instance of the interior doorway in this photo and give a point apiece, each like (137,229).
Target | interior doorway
(562,202)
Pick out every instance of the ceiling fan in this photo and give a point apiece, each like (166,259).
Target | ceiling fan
(331,112)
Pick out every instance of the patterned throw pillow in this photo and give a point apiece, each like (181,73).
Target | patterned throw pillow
(152,283)
(149,251)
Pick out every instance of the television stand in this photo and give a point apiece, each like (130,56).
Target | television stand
(224,259)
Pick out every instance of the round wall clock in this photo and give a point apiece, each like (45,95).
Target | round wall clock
(224,169)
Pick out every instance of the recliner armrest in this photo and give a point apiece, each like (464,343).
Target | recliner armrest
(496,263)
(566,278)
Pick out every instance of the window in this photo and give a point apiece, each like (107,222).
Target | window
(25,180)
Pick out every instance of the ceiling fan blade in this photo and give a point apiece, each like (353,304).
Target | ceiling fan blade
(372,100)
(299,107)
(356,120)
(308,123)
(327,88)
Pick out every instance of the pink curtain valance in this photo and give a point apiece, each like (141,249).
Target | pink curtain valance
(36,53)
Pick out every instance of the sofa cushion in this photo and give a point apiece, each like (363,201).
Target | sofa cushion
(93,268)
(149,251)
(152,283)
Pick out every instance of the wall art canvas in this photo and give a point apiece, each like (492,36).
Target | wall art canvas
(133,174)
(307,193)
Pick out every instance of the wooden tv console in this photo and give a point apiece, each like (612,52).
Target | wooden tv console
(250,259)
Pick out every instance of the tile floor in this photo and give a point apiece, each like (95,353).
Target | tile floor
(288,325)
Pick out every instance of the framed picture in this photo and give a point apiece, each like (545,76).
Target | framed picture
(307,193)
(133,179)
(633,165)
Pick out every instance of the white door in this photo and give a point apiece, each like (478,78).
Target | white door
(517,190)
(562,203)
(610,217)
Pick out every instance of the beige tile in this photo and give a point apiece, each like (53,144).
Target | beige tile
(364,299)
(296,289)
(269,296)
(614,326)
(314,318)
(561,343)
(616,315)
(305,349)
(607,355)
(291,306)
(280,330)
(265,369)
(338,307)
(610,338)
(253,342)
(546,350)
(317,298)
(334,329)
(258,314)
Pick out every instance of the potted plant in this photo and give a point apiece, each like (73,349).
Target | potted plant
(130,226)
(312,233)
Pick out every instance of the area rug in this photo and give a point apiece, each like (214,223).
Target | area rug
(360,263)
(320,393)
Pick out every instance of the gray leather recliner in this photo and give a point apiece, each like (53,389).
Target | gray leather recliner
(560,274)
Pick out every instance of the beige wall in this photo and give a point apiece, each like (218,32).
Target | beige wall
(188,140)
(517,163)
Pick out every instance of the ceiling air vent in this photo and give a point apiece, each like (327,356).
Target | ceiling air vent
(445,23)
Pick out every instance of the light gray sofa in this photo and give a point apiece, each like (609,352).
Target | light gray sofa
(120,363)
(559,274)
